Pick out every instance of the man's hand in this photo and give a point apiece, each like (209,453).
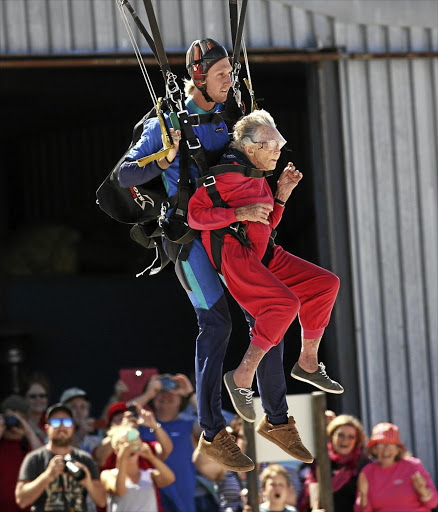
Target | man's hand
(184,385)
(256,212)
(56,467)
(147,418)
(289,179)
(2,426)
(176,136)
(154,387)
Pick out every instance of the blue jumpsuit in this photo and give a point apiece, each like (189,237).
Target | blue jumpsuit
(207,294)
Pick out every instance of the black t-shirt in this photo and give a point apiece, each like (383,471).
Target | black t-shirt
(64,493)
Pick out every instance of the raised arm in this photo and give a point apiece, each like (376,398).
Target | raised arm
(162,475)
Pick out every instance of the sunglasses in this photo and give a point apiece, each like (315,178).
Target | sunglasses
(37,395)
(56,422)
(271,145)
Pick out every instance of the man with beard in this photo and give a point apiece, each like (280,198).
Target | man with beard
(45,480)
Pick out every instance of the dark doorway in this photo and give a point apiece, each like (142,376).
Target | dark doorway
(69,269)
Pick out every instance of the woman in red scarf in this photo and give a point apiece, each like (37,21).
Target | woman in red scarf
(345,447)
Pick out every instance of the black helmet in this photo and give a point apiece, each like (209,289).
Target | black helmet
(201,55)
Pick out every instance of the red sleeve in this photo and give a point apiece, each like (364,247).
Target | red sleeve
(275,215)
(433,501)
(203,216)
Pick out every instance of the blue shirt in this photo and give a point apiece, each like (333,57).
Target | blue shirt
(179,496)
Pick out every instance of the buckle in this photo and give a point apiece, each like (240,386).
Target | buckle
(235,227)
(182,112)
(208,183)
(196,145)
(192,118)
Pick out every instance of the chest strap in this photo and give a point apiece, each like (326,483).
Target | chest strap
(237,230)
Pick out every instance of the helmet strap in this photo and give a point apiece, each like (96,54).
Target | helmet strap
(200,84)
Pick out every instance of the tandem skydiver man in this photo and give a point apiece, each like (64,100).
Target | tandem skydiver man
(209,68)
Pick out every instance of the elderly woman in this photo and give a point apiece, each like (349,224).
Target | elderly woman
(273,286)
(395,481)
(345,448)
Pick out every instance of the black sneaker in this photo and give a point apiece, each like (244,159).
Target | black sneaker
(319,379)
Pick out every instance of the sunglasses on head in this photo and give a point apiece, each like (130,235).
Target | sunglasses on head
(56,422)
(37,395)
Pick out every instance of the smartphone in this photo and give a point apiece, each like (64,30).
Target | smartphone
(132,408)
(167,383)
(135,379)
(132,435)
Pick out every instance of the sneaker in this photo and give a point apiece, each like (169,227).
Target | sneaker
(319,379)
(224,450)
(285,436)
(241,398)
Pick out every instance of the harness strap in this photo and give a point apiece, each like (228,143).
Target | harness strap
(238,230)
(141,28)
(269,253)
(233,20)
(161,54)
(211,117)
(244,170)
(192,142)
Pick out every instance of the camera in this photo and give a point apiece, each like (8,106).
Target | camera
(70,467)
(11,421)
(167,382)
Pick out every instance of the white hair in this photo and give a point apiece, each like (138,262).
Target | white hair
(246,128)
(189,87)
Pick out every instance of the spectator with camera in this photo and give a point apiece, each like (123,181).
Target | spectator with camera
(58,476)
(16,440)
(136,417)
(131,488)
(86,437)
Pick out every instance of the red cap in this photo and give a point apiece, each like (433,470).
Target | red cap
(115,408)
(386,433)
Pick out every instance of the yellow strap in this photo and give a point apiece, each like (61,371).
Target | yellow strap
(254,105)
(141,162)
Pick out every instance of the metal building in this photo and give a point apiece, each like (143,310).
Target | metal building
(374,116)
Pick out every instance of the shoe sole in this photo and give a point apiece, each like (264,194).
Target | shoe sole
(298,457)
(244,469)
(234,405)
(335,392)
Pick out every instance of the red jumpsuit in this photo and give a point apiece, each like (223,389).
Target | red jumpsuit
(273,295)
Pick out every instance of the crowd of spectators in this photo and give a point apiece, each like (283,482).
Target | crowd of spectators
(140,456)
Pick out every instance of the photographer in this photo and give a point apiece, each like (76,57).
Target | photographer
(48,480)
(16,440)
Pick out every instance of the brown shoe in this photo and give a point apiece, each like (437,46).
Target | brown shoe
(224,450)
(285,436)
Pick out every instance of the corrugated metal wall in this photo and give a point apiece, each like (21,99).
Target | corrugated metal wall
(390,121)
(63,26)
(389,110)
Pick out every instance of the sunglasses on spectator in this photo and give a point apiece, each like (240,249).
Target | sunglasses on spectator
(56,422)
(271,145)
(37,395)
